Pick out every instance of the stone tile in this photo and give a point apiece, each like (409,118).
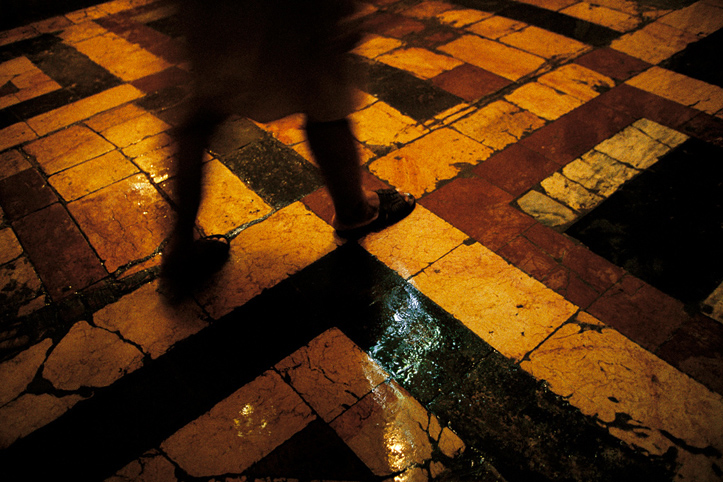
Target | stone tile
(59,252)
(25,193)
(680,88)
(145,319)
(148,145)
(509,310)
(19,284)
(151,465)
(382,125)
(92,175)
(320,202)
(633,147)
(90,357)
(570,193)
(240,430)
(495,27)
(469,82)
(27,81)
(543,43)
(266,253)
(142,220)
(331,373)
(414,243)
(18,372)
(599,173)
(705,127)
(71,113)
(699,19)
(567,283)
(11,163)
(516,169)
(600,15)
(159,164)
(613,64)
(528,257)
(67,148)
(554,5)
(420,62)
(638,103)
(392,25)
(81,31)
(462,18)
(428,9)
(640,312)
(654,43)
(289,130)
(30,412)
(662,134)
(582,83)
(543,101)
(593,269)
(641,399)
(135,130)
(171,77)
(114,117)
(545,209)
(9,246)
(376,45)
(420,166)
(498,124)
(499,59)
(392,433)
(120,57)
(15,135)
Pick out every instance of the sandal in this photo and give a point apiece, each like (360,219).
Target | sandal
(393,207)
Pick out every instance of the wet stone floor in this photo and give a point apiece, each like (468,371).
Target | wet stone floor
(551,311)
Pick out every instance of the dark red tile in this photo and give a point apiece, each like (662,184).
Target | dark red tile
(516,169)
(60,254)
(550,241)
(469,82)
(433,39)
(600,273)
(320,202)
(577,132)
(640,104)
(528,257)
(479,209)
(697,349)
(642,313)
(705,127)
(612,63)
(392,25)
(167,78)
(571,286)
(24,193)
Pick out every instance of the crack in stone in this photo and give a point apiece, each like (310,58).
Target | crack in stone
(708,451)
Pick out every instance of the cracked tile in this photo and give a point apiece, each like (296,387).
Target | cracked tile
(499,124)
(634,148)
(18,372)
(543,43)
(699,19)
(26,414)
(654,43)
(543,101)
(67,148)
(92,175)
(495,27)
(12,162)
(15,135)
(601,15)
(150,466)
(570,193)
(680,88)
(19,283)
(10,247)
(421,62)
(545,209)
(376,45)
(461,18)
(382,125)
(240,430)
(578,81)
(508,309)
(599,173)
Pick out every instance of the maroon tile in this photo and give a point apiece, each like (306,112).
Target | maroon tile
(469,82)
(392,25)
(705,127)
(60,254)
(550,241)
(612,63)
(642,313)
(577,132)
(320,203)
(528,257)
(600,273)
(638,104)
(168,78)
(433,39)
(697,349)
(24,193)
(571,286)
(516,169)
(479,209)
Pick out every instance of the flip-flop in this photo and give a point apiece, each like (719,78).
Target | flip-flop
(393,207)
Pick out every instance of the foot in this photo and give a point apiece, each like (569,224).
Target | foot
(388,206)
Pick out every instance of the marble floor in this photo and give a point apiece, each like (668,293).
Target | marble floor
(551,311)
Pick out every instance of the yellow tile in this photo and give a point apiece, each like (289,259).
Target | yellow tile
(375,45)
(680,88)
(630,7)
(81,31)
(92,175)
(29,412)
(699,19)
(499,124)
(90,13)
(160,164)
(331,373)
(418,167)
(382,125)
(289,130)
(17,34)
(12,162)
(496,27)
(421,62)
(122,58)
(604,374)
(616,20)
(544,43)
(67,148)
(654,42)
(508,62)
(227,202)
(266,253)
(53,24)
(414,243)
(145,319)
(114,117)
(580,82)
(148,145)
(83,109)
(124,222)
(553,5)
(15,135)
(461,18)
(428,9)
(135,130)
(240,430)
(543,101)
(570,193)
(509,310)
(9,246)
